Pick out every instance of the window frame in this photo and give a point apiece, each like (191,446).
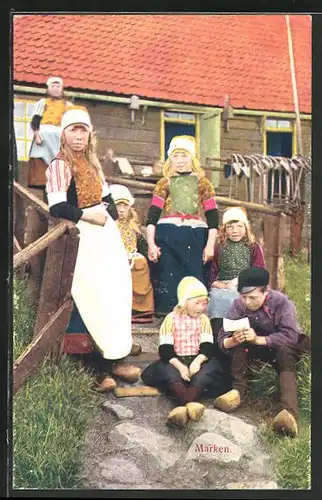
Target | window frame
(26,121)
(165,119)
(290,129)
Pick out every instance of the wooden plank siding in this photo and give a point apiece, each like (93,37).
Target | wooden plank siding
(141,141)
(133,140)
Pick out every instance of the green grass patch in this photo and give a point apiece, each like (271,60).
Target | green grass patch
(291,457)
(298,288)
(23,318)
(51,412)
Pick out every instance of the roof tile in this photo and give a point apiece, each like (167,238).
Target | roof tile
(184,58)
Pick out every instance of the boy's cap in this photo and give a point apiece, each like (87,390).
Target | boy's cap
(251,278)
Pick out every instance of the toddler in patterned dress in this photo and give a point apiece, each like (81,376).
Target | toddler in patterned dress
(186,367)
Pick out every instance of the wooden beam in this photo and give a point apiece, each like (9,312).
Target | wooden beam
(36,227)
(31,199)
(130,183)
(16,244)
(19,218)
(139,391)
(255,207)
(280,251)
(39,245)
(35,353)
(58,276)
(271,248)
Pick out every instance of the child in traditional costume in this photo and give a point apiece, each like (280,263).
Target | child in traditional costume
(137,249)
(45,125)
(235,251)
(102,284)
(180,241)
(187,367)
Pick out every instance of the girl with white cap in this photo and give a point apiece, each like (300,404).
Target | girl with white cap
(102,285)
(186,367)
(236,250)
(137,249)
(45,125)
(182,223)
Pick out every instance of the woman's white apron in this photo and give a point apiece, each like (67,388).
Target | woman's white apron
(102,286)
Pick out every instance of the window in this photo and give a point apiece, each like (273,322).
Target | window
(177,123)
(22,114)
(279,140)
(284,142)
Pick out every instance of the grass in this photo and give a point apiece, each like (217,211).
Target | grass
(51,412)
(23,318)
(291,457)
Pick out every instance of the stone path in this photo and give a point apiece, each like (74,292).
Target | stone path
(129,446)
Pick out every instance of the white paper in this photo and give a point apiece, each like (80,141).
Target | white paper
(231,325)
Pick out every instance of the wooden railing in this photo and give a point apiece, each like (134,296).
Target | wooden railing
(40,237)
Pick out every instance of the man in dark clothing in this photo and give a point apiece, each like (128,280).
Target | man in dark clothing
(274,336)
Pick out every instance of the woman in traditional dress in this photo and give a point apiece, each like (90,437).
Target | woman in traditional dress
(137,249)
(45,125)
(180,241)
(102,285)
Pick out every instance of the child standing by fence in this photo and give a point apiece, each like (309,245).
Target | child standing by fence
(187,367)
(137,249)
(236,250)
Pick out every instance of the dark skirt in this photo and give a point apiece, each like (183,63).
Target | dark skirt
(213,377)
(181,255)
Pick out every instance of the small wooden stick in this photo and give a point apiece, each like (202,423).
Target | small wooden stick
(123,392)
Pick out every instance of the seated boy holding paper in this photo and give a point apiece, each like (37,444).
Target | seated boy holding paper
(267,329)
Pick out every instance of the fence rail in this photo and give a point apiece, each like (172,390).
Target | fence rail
(51,283)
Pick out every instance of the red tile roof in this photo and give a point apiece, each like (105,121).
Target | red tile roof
(186,58)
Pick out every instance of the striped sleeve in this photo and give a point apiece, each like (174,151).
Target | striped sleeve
(205,330)
(106,190)
(40,106)
(58,180)
(166,331)
(159,197)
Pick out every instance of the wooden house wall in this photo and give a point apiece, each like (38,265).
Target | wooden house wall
(135,141)
(141,141)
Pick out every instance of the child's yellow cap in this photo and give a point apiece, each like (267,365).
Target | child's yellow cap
(190,288)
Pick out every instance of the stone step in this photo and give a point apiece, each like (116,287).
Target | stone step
(145,330)
(147,335)
(149,343)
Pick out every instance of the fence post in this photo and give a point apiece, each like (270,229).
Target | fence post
(297,220)
(271,247)
(57,279)
(67,274)
(280,252)
(36,226)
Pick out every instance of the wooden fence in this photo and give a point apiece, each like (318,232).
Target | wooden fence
(48,246)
